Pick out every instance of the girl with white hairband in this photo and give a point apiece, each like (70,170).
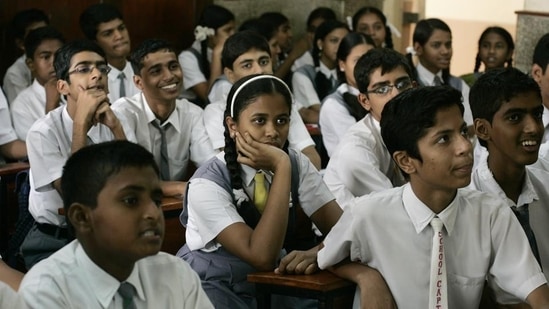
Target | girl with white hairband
(234,227)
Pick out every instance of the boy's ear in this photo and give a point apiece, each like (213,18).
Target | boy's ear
(404,161)
(537,72)
(231,124)
(418,48)
(62,87)
(230,75)
(364,101)
(138,82)
(30,64)
(482,129)
(79,216)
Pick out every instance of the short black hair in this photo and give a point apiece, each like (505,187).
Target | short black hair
(24,19)
(276,19)
(147,47)
(320,12)
(240,43)
(385,58)
(406,117)
(495,87)
(541,52)
(87,171)
(96,14)
(37,36)
(261,27)
(63,56)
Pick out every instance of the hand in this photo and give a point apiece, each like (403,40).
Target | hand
(298,262)
(53,96)
(87,105)
(106,116)
(258,155)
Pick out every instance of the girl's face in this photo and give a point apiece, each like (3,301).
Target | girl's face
(348,66)
(494,51)
(275,48)
(266,119)
(223,33)
(329,46)
(436,54)
(373,26)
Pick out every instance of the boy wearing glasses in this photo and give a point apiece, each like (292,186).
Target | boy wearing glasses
(87,118)
(361,163)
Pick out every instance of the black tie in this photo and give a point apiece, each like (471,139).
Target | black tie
(122,91)
(523,215)
(127,291)
(164,162)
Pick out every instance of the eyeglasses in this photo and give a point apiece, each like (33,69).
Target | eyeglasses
(386,89)
(88,68)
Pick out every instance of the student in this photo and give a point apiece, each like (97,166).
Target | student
(507,107)
(371,21)
(201,63)
(341,109)
(103,23)
(10,147)
(246,53)
(171,129)
(112,197)
(425,132)
(312,83)
(18,76)
(361,163)
(433,47)
(267,31)
(42,96)
(540,61)
(87,118)
(495,50)
(226,234)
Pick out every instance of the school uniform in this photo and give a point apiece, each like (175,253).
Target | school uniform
(390,231)
(211,209)
(28,106)
(304,88)
(185,133)
(7,134)
(10,298)
(545,119)
(220,90)
(18,77)
(361,163)
(305,59)
(335,118)
(49,144)
(426,78)
(70,279)
(192,74)
(114,82)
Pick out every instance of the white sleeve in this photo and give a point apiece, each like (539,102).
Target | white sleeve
(191,70)
(467,114)
(338,242)
(7,134)
(304,91)
(201,146)
(298,136)
(213,122)
(334,121)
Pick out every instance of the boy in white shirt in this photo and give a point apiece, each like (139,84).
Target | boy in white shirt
(446,265)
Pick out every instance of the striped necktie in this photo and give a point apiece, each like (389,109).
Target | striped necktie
(260,191)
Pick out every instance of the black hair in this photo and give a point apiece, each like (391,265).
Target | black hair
(495,87)
(37,36)
(321,32)
(502,33)
(96,14)
(406,117)
(63,56)
(87,171)
(146,47)
(213,16)
(240,43)
(24,19)
(247,95)
(320,12)
(373,10)
(347,44)
(276,19)
(384,58)
(423,31)
(541,53)
(259,26)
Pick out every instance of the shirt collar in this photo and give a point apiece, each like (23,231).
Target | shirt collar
(427,77)
(329,73)
(421,215)
(39,89)
(173,119)
(344,87)
(113,74)
(248,174)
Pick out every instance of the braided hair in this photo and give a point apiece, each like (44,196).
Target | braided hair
(505,35)
(422,33)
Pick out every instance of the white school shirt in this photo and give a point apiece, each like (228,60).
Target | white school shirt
(335,119)
(49,144)
(211,207)
(28,106)
(114,82)
(298,136)
(545,119)
(361,163)
(186,136)
(70,279)
(427,78)
(10,298)
(390,231)
(534,193)
(304,90)
(7,134)
(18,77)
(192,75)
(219,91)
(305,59)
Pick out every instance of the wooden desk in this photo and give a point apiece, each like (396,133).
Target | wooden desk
(8,200)
(330,290)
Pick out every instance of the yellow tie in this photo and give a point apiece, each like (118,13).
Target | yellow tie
(260,192)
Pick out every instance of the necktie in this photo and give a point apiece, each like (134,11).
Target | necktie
(122,91)
(438,296)
(437,81)
(523,215)
(260,191)
(127,291)
(164,163)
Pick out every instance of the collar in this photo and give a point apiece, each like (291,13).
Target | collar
(113,74)
(344,87)
(427,77)
(421,215)
(38,89)
(249,172)
(173,119)
(329,73)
